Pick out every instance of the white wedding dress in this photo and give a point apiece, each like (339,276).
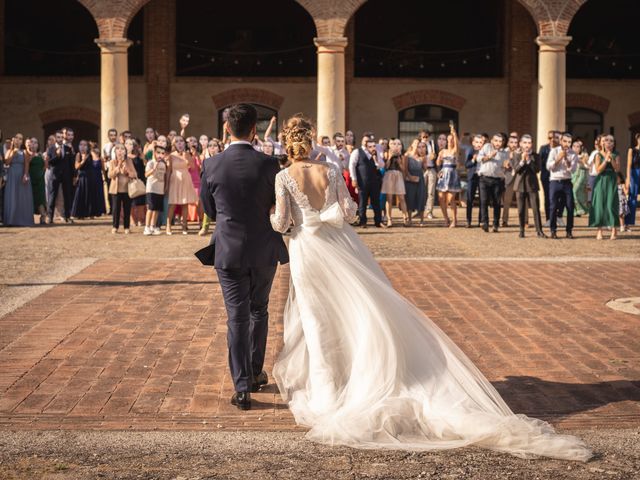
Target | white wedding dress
(363,367)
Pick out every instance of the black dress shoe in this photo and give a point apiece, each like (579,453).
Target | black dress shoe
(569,235)
(541,235)
(485,228)
(259,381)
(242,400)
(554,235)
(495,230)
(521,234)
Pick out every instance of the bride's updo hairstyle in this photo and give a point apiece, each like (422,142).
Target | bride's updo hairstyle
(298,137)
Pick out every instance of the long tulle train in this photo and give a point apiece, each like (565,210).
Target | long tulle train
(363,367)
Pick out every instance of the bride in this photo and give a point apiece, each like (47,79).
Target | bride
(361,365)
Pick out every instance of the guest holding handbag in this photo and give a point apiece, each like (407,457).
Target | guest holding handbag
(121,170)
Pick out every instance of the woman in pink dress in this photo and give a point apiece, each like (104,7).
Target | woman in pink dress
(181,191)
(195,169)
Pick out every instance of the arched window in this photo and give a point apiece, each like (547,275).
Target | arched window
(585,124)
(264,117)
(273,39)
(58,39)
(432,118)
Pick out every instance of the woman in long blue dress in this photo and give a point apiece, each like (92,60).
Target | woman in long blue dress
(18,199)
(416,195)
(633,182)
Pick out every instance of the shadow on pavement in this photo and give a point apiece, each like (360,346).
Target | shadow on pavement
(534,396)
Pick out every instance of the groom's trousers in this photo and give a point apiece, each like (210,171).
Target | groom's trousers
(246,298)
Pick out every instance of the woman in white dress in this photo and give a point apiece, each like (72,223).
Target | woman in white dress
(362,366)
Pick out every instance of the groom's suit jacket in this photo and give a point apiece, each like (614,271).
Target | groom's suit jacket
(238,191)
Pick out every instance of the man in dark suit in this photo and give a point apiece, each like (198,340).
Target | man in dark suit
(238,192)
(525,183)
(61,160)
(364,166)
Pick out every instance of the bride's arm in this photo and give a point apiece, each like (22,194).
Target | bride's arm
(347,205)
(281,219)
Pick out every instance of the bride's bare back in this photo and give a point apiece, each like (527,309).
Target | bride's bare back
(312,179)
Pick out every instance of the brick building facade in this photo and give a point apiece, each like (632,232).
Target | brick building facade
(531,96)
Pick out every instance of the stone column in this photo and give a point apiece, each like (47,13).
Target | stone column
(331,85)
(552,85)
(114,85)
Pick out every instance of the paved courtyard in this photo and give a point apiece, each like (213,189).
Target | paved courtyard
(124,333)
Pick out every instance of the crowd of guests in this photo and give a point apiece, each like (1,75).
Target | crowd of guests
(154,182)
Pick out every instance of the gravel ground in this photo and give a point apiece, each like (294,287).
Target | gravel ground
(199,455)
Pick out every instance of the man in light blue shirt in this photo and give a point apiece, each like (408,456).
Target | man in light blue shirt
(492,158)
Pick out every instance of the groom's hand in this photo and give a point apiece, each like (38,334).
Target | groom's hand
(272,210)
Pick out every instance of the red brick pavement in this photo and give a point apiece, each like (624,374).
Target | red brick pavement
(142,345)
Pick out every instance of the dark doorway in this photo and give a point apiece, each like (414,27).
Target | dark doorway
(264,117)
(431,118)
(584,124)
(82,130)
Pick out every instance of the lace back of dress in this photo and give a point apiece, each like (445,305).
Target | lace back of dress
(310,186)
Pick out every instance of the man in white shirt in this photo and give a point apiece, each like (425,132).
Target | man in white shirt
(325,152)
(507,197)
(107,150)
(492,158)
(562,162)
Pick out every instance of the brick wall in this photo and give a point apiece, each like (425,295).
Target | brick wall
(588,100)
(253,95)
(1,37)
(436,97)
(70,113)
(159,41)
(520,65)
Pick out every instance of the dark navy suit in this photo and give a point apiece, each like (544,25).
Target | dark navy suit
(369,181)
(62,167)
(238,192)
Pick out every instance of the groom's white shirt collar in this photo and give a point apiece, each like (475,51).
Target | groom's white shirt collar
(240,142)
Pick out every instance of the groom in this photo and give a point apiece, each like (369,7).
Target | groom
(238,192)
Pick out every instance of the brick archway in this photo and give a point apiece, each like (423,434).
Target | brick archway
(589,101)
(70,113)
(434,97)
(247,95)
(113,18)
(115,26)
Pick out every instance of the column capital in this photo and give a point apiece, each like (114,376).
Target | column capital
(113,45)
(553,43)
(331,44)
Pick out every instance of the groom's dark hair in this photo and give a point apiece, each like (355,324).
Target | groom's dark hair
(242,118)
